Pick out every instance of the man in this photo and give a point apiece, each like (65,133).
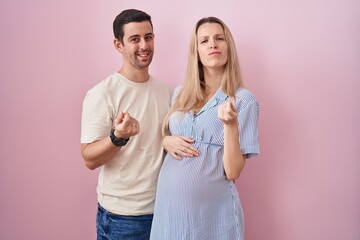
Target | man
(120,132)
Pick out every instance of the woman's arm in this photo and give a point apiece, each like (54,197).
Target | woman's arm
(233,159)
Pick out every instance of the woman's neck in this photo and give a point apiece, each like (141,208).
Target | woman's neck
(212,81)
(211,86)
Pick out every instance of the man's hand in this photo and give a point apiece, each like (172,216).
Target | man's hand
(126,126)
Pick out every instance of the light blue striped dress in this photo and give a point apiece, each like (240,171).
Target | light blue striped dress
(194,199)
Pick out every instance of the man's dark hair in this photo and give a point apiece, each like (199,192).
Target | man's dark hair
(128,16)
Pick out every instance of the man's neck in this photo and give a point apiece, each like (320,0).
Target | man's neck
(136,75)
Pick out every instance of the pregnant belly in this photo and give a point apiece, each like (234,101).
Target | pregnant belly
(191,178)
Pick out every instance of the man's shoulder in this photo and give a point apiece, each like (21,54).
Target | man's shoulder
(106,84)
(161,86)
(159,82)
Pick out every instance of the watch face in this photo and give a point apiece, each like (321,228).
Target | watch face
(120,142)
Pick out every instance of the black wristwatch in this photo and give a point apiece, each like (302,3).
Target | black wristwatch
(119,142)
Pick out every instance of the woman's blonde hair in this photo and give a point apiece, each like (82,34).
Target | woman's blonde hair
(192,95)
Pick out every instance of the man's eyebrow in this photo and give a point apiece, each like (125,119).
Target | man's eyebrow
(135,35)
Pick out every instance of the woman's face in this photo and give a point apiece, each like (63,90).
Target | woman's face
(212,46)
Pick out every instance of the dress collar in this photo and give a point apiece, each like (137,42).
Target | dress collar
(219,97)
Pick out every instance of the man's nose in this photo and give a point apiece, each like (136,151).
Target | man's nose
(143,44)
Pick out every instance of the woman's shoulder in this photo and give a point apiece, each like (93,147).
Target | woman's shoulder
(245,95)
(178,89)
(176,93)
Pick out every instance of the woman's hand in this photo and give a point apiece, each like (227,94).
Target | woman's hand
(179,146)
(228,113)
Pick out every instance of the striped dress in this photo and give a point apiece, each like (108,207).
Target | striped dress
(194,200)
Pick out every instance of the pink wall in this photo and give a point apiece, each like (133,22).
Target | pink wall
(302,60)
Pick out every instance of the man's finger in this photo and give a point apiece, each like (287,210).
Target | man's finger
(119,118)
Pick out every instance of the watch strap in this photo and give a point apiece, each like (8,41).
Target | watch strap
(119,142)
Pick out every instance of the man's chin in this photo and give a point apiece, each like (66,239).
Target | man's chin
(142,66)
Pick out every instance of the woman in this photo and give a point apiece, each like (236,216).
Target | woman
(212,127)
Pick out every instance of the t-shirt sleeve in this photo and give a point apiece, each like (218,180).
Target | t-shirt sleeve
(96,119)
(248,126)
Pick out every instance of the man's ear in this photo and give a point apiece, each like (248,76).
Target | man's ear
(118,45)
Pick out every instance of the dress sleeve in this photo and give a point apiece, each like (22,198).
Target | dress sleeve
(248,116)
(175,94)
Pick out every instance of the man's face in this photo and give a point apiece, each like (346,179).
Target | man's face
(138,44)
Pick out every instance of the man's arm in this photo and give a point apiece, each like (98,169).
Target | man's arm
(98,153)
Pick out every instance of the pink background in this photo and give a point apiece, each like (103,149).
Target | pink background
(300,58)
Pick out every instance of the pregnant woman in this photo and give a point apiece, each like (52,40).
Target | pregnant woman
(211,129)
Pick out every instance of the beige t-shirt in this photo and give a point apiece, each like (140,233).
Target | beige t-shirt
(127,183)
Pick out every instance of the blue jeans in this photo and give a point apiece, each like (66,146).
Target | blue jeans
(112,226)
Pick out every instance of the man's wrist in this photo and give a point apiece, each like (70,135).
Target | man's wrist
(119,142)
